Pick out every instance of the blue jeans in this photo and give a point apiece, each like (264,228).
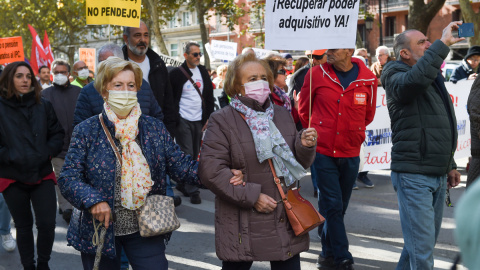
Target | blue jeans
(335,179)
(314,176)
(420,202)
(5,217)
(144,253)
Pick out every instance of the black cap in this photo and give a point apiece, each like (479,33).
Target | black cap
(474,50)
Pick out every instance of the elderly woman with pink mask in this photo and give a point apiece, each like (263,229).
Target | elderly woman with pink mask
(250,221)
(105,189)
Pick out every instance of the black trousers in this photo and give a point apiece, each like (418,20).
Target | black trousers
(188,137)
(20,198)
(290,264)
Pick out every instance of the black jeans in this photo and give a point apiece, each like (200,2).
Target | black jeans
(19,198)
(189,137)
(290,264)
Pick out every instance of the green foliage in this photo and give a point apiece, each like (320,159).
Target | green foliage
(64,21)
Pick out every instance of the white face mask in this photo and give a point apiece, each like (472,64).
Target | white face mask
(122,101)
(60,79)
(83,74)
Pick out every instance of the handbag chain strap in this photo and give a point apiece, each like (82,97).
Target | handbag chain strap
(110,139)
(275,178)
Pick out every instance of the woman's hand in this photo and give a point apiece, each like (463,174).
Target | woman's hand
(265,204)
(309,137)
(237,178)
(101,212)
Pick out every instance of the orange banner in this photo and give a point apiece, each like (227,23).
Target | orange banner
(11,50)
(87,55)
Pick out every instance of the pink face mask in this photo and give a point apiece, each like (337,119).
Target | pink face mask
(258,90)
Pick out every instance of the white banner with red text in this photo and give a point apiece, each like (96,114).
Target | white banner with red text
(378,141)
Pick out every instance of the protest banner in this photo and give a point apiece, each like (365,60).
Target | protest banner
(11,50)
(116,12)
(88,56)
(169,61)
(261,53)
(378,141)
(223,50)
(311,24)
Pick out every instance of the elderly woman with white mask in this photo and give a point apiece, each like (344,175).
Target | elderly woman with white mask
(100,186)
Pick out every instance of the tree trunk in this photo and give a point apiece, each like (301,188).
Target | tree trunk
(156,26)
(470,16)
(203,30)
(420,14)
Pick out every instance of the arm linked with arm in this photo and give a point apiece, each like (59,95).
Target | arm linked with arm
(215,164)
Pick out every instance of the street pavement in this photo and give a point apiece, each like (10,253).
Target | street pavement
(372,222)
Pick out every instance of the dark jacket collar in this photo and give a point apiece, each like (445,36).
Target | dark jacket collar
(255,105)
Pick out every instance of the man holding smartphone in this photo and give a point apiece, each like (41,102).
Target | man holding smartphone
(424,135)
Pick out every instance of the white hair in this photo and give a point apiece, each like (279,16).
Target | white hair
(382,48)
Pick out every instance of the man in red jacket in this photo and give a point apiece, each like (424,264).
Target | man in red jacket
(343,96)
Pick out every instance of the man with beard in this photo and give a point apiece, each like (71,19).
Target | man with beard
(63,97)
(154,70)
(424,135)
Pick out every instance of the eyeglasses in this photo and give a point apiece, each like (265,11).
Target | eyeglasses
(80,68)
(282,72)
(380,55)
(317,57)
(60,72)
(197,54)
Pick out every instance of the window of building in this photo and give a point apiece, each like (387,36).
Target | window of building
(457,15)
(186,19)
(390,26)
(173,50)
(172,23)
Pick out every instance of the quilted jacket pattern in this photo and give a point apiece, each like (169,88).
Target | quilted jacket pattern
(88,175)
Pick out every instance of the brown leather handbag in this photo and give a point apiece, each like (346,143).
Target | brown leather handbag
(303,217)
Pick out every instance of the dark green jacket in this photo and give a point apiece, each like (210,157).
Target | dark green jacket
(424,127)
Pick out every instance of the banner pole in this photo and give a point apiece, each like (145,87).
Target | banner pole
(310,102)
(109,33)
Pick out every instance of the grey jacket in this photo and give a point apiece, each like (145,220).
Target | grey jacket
(424,127)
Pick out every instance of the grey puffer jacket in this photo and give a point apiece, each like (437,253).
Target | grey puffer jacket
(241,233)
(424,127)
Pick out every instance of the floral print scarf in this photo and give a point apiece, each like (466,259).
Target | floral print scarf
(283,96)
(136,180)
(269,142)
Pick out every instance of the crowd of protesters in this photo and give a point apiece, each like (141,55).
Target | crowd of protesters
(55,145)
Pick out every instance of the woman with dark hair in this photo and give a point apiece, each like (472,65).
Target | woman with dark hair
(30,135)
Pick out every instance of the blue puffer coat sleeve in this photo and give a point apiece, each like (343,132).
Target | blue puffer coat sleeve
(89,103)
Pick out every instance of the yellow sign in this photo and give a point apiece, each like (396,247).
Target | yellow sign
(11,50)
(117,12)
(87,55)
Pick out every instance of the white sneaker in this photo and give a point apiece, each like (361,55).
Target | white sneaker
(8,242)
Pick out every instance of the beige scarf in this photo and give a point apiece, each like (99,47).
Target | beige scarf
(136,179)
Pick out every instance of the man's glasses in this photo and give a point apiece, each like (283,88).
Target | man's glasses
(282,72)
(81,68)
(60,72)
(317,57)
(197,54)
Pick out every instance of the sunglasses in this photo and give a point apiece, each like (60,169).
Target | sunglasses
(282,72)
(197,54)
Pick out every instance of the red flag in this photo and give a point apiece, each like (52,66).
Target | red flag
(37,57)
(48,49)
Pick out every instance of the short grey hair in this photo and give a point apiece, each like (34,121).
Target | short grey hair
(383,49)
(357,51)
(401,42)
(187,45)
(111,47)
(61,62)
(126,29)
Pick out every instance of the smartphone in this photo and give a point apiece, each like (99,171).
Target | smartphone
(466,30)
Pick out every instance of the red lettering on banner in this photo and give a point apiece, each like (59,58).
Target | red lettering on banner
(461,145)
(384,159)
(454,100)
(383,100)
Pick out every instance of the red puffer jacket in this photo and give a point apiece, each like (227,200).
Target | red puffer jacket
(339,115)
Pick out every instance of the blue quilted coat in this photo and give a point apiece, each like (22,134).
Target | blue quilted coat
(88,175)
